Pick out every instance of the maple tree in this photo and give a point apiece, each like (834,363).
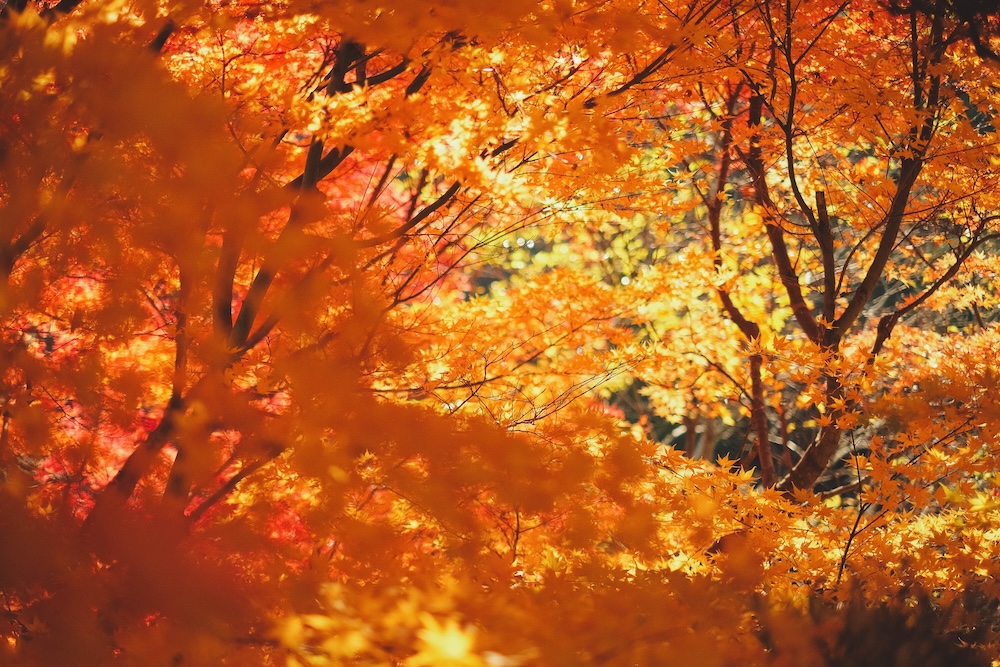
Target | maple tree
(563,333)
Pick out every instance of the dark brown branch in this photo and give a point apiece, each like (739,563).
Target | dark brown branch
(714,204)
(311,174)
(749,329)
(390,73)
(13,7)
(893,221)
(10,254)
(348,55)
(260,333)
(503,148)
(231,485)
(17,247)
(788,126)
(61,9)
(327,164)
(225,276)
(414,221)
(817,456)
(114,496)
(382,181)
(775,234)
(252,303)
(978,315)
(759,419)
(177,487)
(640,76)
(824,235)
(415,199)
(162,36)
(887,322)
(418,81)
(920,138)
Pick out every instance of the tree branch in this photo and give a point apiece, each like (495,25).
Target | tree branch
(887,322)
(413,221)
(824,235)
(231,485)
(894,220)
(775,234)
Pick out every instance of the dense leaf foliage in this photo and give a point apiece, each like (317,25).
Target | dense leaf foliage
(570,332)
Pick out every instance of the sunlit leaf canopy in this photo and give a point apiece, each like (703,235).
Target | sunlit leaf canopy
(539,333)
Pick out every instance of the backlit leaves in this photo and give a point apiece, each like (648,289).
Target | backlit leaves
(558,333)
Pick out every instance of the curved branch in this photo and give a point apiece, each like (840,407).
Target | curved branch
(894,220)
(887,322)
(775,234)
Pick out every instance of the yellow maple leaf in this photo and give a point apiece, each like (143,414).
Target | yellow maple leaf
(445,643)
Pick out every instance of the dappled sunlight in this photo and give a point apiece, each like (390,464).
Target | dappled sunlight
(543,333)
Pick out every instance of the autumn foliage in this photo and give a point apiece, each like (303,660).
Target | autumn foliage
(491,334)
